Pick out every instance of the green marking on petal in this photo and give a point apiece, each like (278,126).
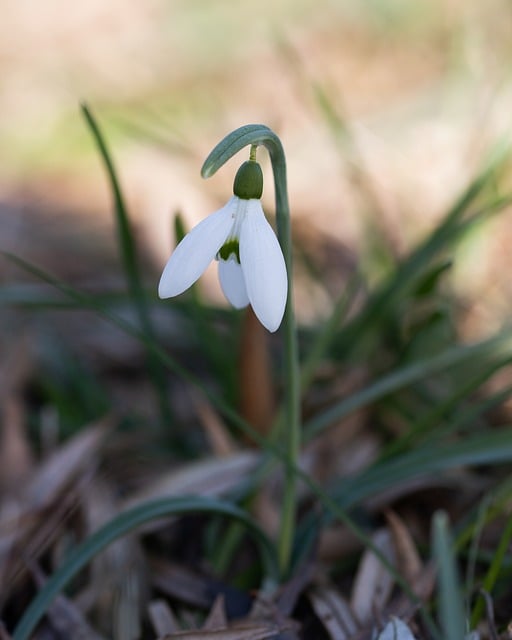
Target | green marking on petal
(229,248)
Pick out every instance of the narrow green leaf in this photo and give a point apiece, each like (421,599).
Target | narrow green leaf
(451,610)
(325,334)
(430,459)
(123,524)
(131,264)
(405,377)
(493,571)
(384,301)
(430,422)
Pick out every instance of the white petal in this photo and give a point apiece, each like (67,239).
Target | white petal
(195,252)
(232,282)
(396,630)
(263,267)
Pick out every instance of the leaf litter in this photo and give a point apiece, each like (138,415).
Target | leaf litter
(160,581)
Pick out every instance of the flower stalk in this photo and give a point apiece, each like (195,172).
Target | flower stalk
(260,135)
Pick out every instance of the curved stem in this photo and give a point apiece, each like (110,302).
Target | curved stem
(124,523)
(255,135)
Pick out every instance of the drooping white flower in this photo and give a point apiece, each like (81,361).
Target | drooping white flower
(251,264)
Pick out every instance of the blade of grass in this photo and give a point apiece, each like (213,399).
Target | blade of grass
(123,524)
(479,521)
(494,448)
(470,419)
(386,297)
(491,448)
(428,422)
(131,264)
(325,335)
(404,377)
(451,610)
(493,572)
(498,500)
(323,338)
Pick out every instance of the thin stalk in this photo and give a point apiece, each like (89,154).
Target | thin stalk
(256,135)
(293,432)
(493,572)
(130,264)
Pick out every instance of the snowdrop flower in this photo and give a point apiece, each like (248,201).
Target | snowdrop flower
(251,264)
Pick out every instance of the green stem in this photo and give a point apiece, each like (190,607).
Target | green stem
(256,135)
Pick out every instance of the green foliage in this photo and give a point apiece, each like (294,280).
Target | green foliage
(123,524)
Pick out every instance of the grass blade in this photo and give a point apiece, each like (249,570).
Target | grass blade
(493,572)
(451,610)
(430,459)
(130,264)
(386,299)
(407,376)
(123,524)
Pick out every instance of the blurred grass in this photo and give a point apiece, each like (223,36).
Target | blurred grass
(132,270)
(190,73)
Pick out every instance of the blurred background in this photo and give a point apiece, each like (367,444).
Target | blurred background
(386,108)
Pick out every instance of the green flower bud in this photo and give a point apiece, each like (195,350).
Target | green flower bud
(248,181)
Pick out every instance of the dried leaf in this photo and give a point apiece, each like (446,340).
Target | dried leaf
(65,464)
(373,582)
(15,456)
(194,589)
(221,442)
(217,617)
(245,631)
(336,541)
(28,534)
(422,586)
(180,583)
(407,557)
(117,576)
(16,365)
(293,589)
(34,524)
(162,618)
(266,510)
(333,611)
(210,477)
